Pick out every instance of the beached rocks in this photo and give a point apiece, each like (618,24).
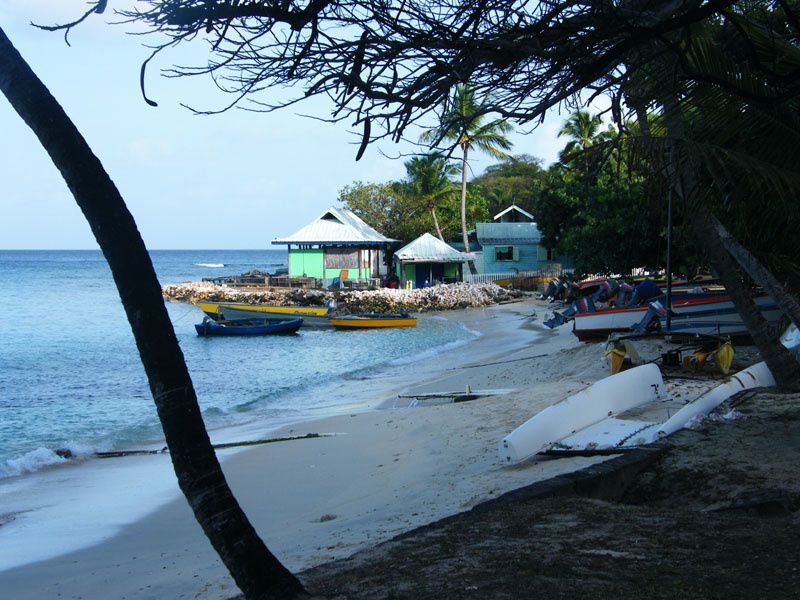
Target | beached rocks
(384,300)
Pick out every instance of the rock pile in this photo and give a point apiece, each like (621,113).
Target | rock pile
(385,300)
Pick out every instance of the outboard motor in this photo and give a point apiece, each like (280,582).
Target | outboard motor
(580,306)
(646,290)
(608,289)
(551,291)
(652,318)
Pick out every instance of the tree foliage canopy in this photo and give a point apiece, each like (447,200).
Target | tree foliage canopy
(389,63)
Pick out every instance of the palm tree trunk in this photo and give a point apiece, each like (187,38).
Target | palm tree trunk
(780,361)
(785,369)
(759,273)
(436,222)
(256,571)
(464,199)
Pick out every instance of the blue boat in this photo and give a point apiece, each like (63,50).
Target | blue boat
(248,326)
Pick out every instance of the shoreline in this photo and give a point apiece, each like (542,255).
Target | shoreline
(386,471)
(105,485)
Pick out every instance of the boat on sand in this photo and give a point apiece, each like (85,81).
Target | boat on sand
(625,411)
(691,315)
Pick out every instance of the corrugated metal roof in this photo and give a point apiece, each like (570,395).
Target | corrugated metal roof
(335,226)
(427,248)
(508,233)
(516,208)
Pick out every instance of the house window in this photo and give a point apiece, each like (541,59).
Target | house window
(545,254)
(341,258)
(502,253)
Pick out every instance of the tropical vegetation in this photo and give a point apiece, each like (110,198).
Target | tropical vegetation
(720,75)
(463,121)
(426,200)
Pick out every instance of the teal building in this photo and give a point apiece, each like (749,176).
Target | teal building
(511,243)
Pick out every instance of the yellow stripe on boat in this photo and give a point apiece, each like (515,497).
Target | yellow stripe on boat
(214,308)
(366,322)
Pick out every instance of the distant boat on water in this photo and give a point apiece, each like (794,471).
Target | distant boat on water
(373,321)
(261,326)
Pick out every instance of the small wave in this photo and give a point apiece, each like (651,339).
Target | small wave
(30,462)
(38,459)
(210,265)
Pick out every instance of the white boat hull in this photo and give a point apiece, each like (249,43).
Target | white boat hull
(610,396)
(654,418)
(622,434)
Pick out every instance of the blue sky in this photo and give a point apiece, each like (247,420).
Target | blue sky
(234,180)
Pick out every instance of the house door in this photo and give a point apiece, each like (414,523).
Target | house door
(429,273)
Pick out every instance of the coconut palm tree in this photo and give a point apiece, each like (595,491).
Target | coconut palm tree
(428,179)
(254,568)
(582,129)
(463,121)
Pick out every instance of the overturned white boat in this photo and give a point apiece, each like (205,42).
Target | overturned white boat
(624,411)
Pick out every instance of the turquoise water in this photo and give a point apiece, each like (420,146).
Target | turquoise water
(70,376)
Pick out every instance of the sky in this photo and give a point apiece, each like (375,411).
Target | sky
(236,180)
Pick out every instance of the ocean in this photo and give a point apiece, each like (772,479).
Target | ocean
(70,375)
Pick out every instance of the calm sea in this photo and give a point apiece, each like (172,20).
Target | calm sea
(70,376)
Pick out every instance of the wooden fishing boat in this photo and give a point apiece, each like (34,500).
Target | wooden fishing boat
(707,315)
(373,320)
(313,316)
(248,326)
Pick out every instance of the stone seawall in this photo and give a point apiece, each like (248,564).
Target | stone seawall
(384,300)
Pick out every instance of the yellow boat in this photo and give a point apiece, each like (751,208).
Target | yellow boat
(316,316)
(374,320)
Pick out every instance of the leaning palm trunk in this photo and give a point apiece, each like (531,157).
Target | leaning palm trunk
(436,222)
(759,273)
(780,361)
(256,571)
(464,199)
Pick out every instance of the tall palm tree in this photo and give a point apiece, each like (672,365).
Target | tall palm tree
(582,129)
(428,179)
(463,121)
(254,568)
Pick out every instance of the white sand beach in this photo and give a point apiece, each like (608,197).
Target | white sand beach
(389,467)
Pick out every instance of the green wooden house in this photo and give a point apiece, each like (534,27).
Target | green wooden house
(337,247)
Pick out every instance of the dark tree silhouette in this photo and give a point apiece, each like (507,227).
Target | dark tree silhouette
(256,571)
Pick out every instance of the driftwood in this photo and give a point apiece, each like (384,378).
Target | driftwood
(65,453)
